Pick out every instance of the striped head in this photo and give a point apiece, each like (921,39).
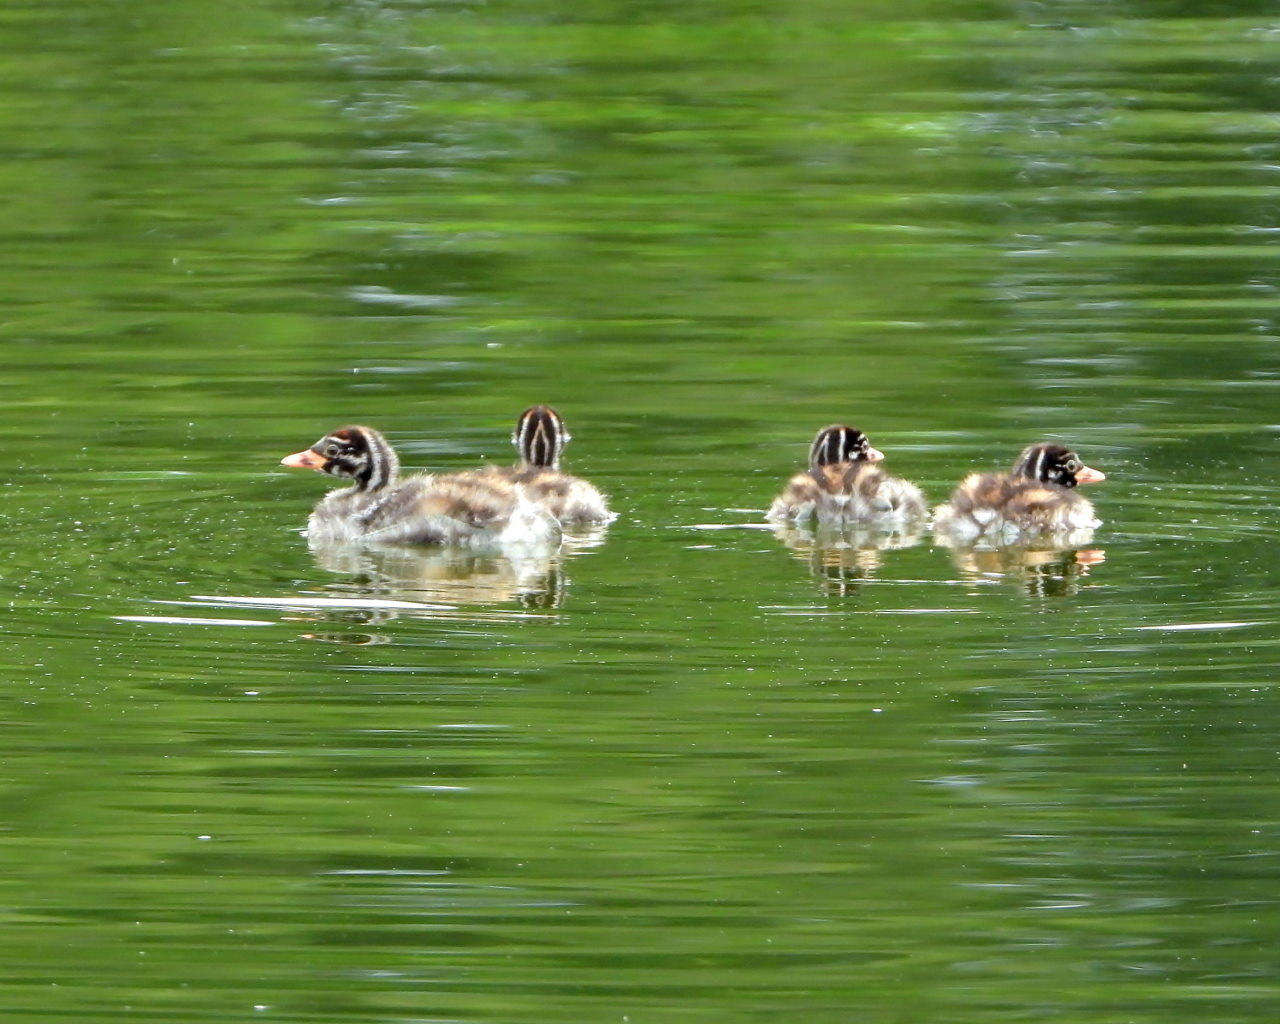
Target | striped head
(352,453)
(540,437)
(838,443)
(1055,464)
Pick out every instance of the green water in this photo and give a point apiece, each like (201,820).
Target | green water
(684,771)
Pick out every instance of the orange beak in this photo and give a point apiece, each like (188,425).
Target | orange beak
(303,460)
(1085,475)
(874,455)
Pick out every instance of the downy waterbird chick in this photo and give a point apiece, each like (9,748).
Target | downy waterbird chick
(540,438)
(844,486)
(1037,497)
(456,509)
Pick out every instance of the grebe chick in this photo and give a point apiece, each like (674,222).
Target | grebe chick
(844,486)
(540,438)
(457,509)
(1036,498)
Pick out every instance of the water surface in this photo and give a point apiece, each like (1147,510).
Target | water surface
(687,770)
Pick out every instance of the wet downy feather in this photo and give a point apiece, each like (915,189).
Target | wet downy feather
(454,509)
(844,485)
(1036,498)
(540,437)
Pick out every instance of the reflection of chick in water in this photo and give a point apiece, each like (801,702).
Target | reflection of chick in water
(849,554)
(532,578)
(1044,571)
(384,584)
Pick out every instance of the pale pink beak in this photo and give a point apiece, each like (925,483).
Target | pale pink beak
(303,460)
(874,455)
(1085,475)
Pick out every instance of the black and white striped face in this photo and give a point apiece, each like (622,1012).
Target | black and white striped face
(838,443)
(1055,464)
(352,453)
(540,437)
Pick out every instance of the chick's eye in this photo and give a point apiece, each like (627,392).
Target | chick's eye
(1073,465)
(331,451)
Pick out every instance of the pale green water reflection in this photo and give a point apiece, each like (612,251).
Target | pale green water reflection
(690,771)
